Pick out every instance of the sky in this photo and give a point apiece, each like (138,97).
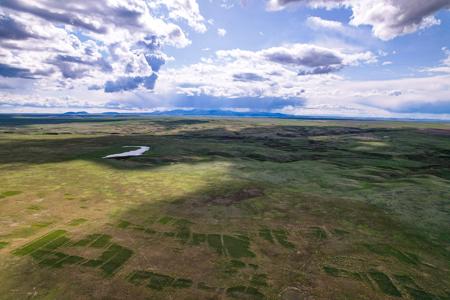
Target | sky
(348,58)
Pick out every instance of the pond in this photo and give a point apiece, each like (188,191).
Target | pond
(141,150)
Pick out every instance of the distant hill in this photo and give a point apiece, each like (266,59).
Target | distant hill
(75,113)
(223,113)
(219,113)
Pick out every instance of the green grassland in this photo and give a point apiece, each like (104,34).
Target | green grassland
(224,209)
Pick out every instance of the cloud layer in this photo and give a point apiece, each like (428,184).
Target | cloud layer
(388,18)
(117,54)
(273,72)
(113,43)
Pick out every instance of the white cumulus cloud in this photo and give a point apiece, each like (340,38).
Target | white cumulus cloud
(388,18)
(62,44)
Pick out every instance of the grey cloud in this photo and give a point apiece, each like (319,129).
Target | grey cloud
(101,63)
(395,93)
(91,17)
(437,107)
(123,84)
(206,102)
(65,18)
(321,70)
(151,46)
(189,85)
(4,86)
(72,71)
(10,29)
(310,58)
(130,83)
(150,81)
(129,68)
(95,87)
(150,42)
(76,67)
(155,61)
(15,72)
(316,60)
(388,18)
(246,77)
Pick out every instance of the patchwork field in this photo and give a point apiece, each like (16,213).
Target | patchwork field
(223,209)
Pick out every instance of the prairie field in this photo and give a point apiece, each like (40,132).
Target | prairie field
(223,209)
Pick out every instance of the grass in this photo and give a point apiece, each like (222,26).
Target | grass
(101,241)
(281,237)
(342,273)
(266,234)
(44,249)
(56,243)
(198,238)
(420,295)
(120,256)
(237,247)
(244,292)
(259,280)
(159,281)
(387,250)
(215,242)
(76,222)
(227,208)
(9,194)
(385,283)
(40,243)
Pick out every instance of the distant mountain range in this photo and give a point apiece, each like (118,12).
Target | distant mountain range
(219,113)
(181,112)
(224,113)
(75,113)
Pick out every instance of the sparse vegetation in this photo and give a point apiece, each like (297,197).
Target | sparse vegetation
(234,209)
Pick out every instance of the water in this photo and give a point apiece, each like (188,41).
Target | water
(137,152)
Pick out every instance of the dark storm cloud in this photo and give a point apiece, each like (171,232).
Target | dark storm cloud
(248,77)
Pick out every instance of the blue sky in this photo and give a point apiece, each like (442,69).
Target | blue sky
(385,58)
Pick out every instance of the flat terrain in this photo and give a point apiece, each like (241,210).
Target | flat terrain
(224,209)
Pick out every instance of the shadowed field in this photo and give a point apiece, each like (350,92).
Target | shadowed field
(224,209)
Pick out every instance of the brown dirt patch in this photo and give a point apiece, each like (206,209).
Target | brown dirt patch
(441,132)
(235,197)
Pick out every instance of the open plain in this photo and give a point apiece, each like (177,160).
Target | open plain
(223,209)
